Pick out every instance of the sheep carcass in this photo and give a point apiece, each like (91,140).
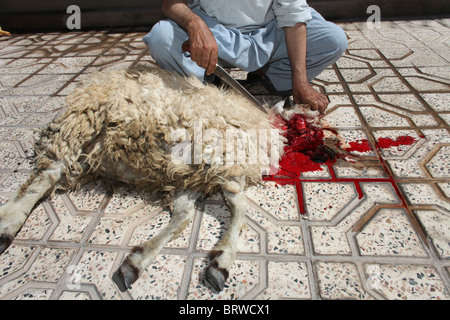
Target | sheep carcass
(140,126)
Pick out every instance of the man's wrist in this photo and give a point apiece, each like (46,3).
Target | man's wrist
(300,84)
(299,75)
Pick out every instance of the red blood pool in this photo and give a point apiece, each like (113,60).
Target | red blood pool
(383,143)
(294,163)
(301,135)
(305,148)
(359,146)
(400,141)
(304,141)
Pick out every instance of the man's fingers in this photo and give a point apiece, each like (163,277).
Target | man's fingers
(205,55)
(314,105)
(212,62)
(322,102)
(316,100)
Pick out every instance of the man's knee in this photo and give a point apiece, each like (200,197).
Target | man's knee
(160,38)
(339,40)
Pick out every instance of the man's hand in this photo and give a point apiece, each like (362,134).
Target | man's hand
(304,93)
(301,89)
(203,46)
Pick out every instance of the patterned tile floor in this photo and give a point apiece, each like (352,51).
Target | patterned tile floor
(382,232)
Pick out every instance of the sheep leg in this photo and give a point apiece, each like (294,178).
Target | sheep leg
(143,255)
(15,212)
(224,254)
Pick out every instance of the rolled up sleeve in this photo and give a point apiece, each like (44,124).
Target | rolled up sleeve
(290,12)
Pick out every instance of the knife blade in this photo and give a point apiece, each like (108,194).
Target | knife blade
(228,79)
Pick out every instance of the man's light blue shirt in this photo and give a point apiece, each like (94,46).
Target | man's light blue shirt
(249,15)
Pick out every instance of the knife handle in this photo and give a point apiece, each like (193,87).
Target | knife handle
(185,46)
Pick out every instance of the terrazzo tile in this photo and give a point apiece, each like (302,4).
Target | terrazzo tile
(356,75)
(389,84)
(11,182)
(161,281)
(112,231)
(437,225)
(392,151)
(438,101)
(281,239)
(94,267)
(350,62)
(324,173)
(36,226)
(11,118)
(71,228)
(67,65)
(88,198)
(445,117)
(419,194)
(410,282)
(49,266)
(329,241)
(286,280)
(422,57)
(377,117)
(21,66)
(343,117)
(407,101)
(23,135)
(10,155)
(340,281)
(278,200)
(324,200)
(35,294)
(444,188)
(427,85)
(70,295)
(389,233)
(439,165)
(53,104)
(332,239)
(125,201)
(424,120)
(405,161)
(46,84)
(14,259)
(376,172)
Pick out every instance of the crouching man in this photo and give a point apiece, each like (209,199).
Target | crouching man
(285,43)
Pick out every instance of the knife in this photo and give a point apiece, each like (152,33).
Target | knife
(225,77)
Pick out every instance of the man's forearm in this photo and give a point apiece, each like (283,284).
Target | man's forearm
(296,38)
(179,11)
(296,45)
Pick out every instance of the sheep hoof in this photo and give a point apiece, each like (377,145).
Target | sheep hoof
(124,277)
(5,242)
(216,277)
